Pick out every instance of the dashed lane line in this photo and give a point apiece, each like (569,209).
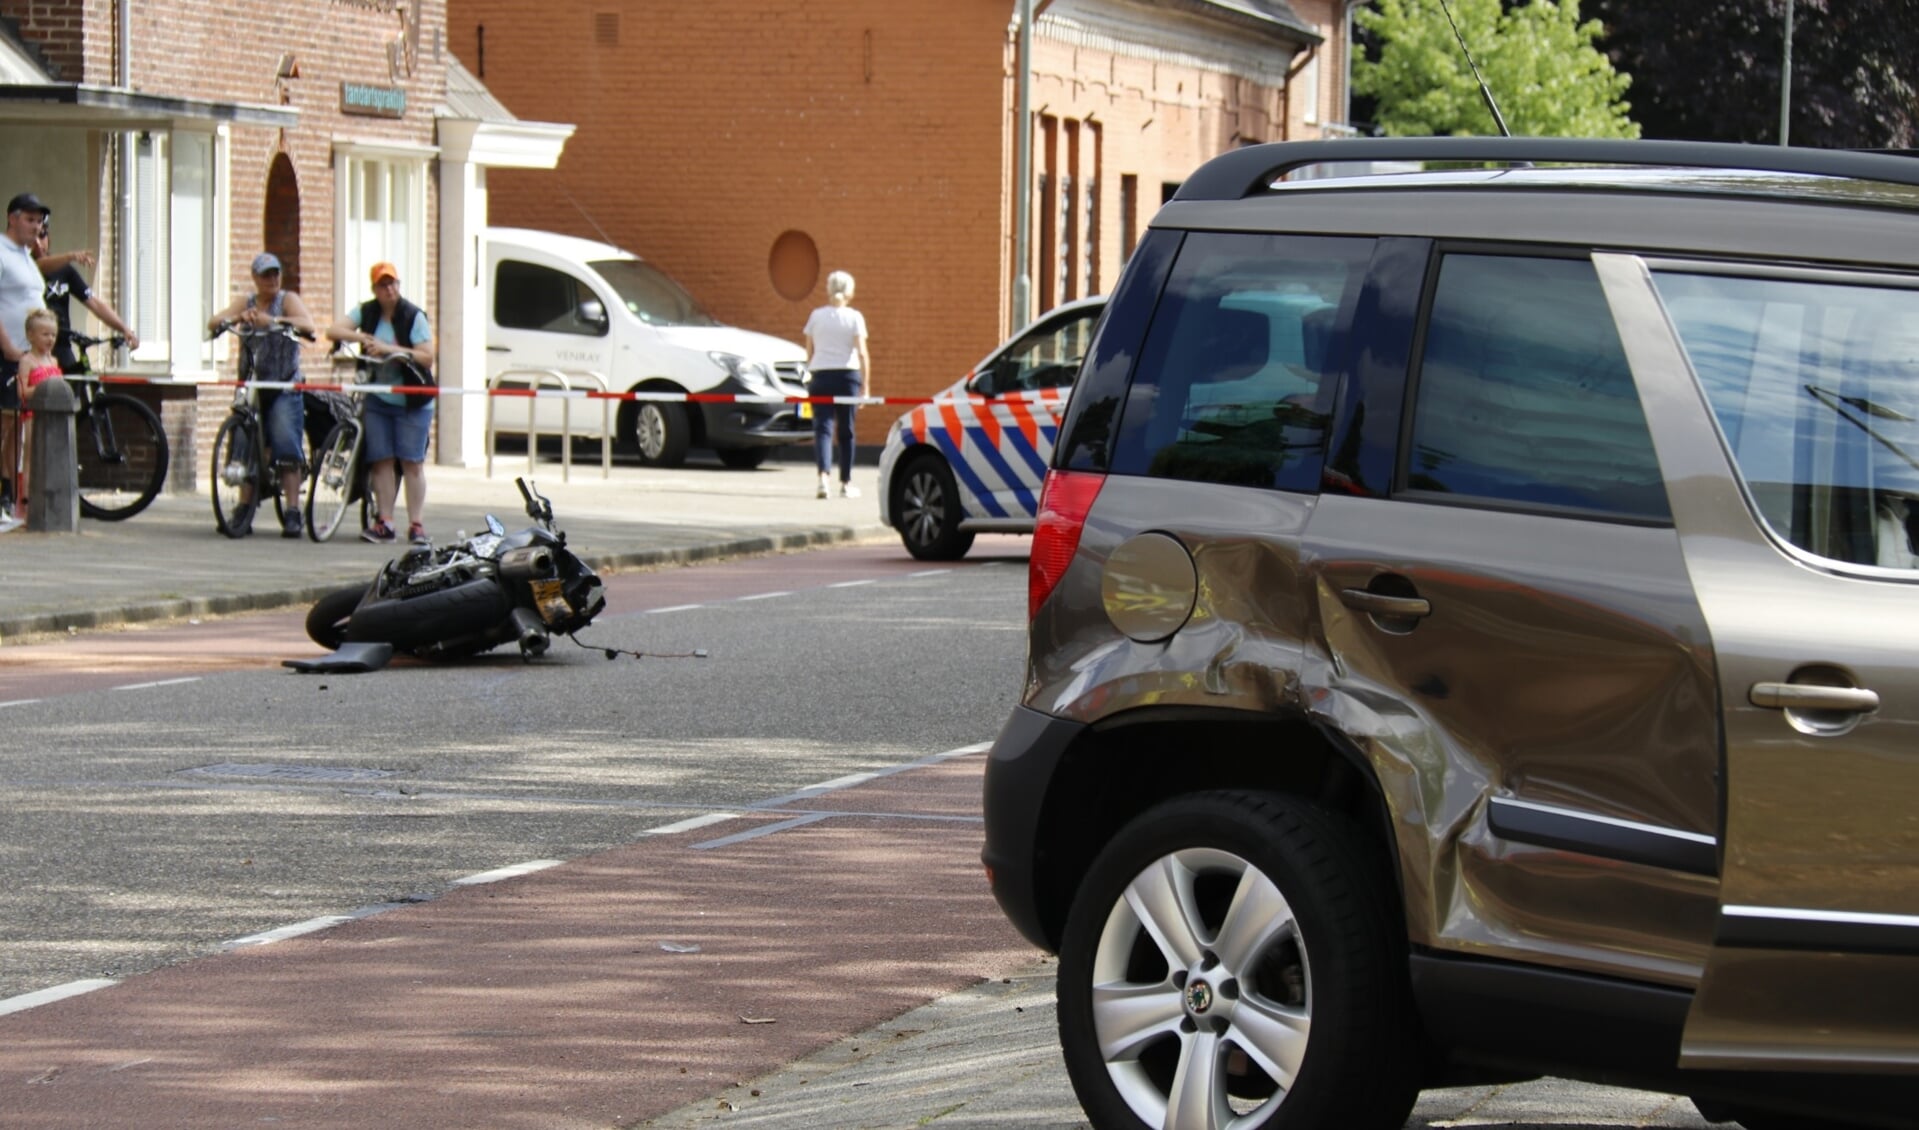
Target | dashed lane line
(762,596)
(673,608)
(19,702)
(502,873)
(160,683)
(691,824)
(57,993)
(311,925)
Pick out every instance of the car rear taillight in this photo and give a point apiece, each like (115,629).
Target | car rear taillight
(1063,504)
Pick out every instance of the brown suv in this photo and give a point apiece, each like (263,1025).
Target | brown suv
(1475,635)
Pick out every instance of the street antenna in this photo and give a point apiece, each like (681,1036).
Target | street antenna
(1484,90)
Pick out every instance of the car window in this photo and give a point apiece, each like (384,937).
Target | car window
(1048,357)
(1236,378)
(1816,389)
(651,294)
(1524,396)
(527,296)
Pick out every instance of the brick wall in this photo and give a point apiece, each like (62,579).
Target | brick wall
(872,127)
(230,51)
(884,131)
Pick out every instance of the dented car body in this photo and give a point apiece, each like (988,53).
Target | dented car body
(1539,538)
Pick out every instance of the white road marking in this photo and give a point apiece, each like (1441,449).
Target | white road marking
(930,573)
(285,932)
(59,992)
(513,872)
(845,782)
(674,608)
(19,702)
(692,823)
(849,584)
(762,830)
(161,683)
(763,596)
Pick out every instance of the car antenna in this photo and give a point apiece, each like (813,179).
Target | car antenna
(1484,90)
(605,238)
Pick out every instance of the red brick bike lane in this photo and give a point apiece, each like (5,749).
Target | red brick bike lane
(597,993)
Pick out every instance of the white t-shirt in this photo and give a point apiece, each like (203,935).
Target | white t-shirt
(836,332)
(21,289)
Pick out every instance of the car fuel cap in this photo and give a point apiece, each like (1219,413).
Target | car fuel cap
(1149,586)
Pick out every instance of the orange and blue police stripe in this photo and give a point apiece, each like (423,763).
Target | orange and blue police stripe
(998,449)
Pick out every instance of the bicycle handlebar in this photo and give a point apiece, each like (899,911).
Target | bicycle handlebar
(279,326)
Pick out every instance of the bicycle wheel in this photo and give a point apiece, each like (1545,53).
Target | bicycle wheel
(123,457)
(330,486)
(236,476)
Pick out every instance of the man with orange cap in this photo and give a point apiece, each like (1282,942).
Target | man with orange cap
(398,424)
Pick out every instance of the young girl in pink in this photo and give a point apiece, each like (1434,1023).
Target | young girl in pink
(37,364)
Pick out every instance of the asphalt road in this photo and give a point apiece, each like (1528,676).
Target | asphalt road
(148,823)
(171,791)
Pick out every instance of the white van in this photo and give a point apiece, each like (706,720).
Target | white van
(580,307)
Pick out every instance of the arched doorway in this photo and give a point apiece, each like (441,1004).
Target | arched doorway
(281,229)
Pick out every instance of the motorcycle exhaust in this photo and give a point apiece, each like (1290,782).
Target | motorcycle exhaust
(533,638)
(527,563)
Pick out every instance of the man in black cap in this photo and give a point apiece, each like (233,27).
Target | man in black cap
(21,289)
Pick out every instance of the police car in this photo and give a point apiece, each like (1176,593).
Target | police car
(973,459)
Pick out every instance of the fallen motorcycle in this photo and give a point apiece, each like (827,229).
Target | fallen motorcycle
(481,592)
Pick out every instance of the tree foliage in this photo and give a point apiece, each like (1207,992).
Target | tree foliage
(1708,70)
(1539,59)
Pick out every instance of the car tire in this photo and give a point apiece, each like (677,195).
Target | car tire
(926,509)
(327,621)
(661,433)
(1236,956)
(742,458)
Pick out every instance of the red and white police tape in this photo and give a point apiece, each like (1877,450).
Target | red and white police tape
(540,393)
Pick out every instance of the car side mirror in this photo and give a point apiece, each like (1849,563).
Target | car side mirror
(593,313)
(984,383)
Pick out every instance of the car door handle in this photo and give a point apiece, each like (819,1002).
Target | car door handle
(1811,696)
(1380,604)
(499,349)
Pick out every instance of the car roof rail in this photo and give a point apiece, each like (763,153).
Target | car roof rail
(1252,170)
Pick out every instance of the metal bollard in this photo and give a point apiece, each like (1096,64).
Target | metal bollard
(53,479)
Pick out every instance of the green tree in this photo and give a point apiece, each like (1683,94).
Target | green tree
(1538,58)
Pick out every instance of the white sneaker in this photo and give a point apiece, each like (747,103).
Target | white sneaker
(822,493)
(848,490)
(8,523)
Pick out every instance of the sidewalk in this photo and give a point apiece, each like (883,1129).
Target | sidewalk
(170,563)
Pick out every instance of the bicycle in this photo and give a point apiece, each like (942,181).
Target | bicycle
(339,474)
(122,449)
(243,469)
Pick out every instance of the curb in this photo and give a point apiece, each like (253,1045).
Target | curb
(184,608)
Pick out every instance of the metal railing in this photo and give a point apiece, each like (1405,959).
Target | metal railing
(569,390)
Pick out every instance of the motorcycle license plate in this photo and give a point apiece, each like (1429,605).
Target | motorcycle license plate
(550,598)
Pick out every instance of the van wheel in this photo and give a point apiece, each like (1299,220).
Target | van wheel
(1235,957)
(926,508)
(742,458)
(661,433)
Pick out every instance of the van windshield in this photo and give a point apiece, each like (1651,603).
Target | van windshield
(652,296)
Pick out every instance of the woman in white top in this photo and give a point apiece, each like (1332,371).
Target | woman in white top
(836,351)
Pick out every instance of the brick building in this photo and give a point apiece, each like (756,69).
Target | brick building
(181,137)
(750,146)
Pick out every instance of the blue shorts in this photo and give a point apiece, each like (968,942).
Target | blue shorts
(395,432)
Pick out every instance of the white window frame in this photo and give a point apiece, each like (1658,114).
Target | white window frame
(380,214)
(174,257)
